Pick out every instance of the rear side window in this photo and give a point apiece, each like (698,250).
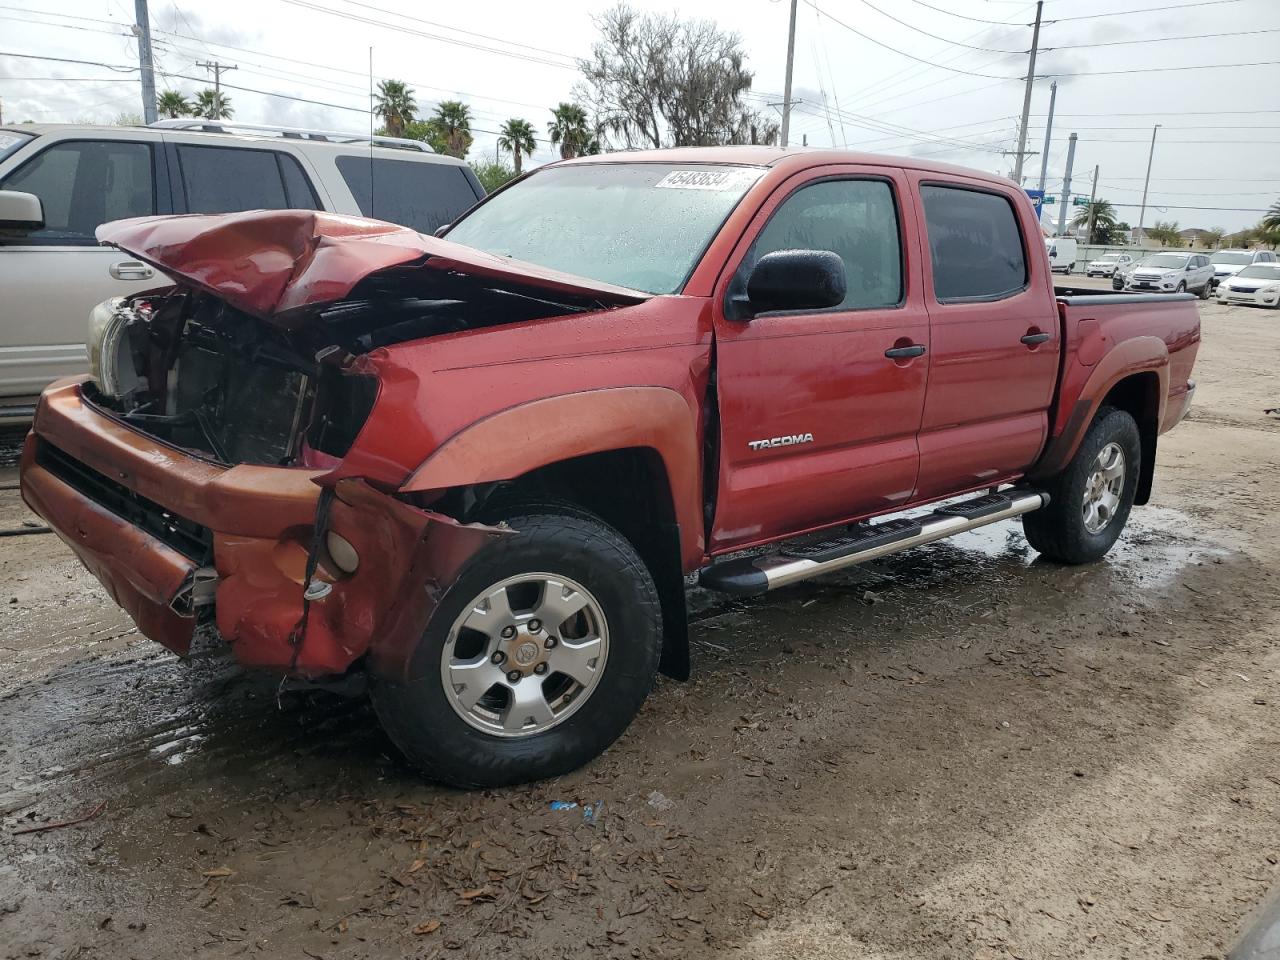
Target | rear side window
(228,179)
(414,194)
(856,219)
(83,184)
(974,243)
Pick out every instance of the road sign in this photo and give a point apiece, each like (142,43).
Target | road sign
(1079,202)
(1050,199)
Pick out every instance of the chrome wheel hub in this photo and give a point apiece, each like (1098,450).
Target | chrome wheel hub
(1104,488)
(524,655)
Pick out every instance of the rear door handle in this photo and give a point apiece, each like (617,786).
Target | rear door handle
(903,353)
(1031,339)
(130,270)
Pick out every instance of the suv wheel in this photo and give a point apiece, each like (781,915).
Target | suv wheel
(1092,497)
(538,657)
(1182,287)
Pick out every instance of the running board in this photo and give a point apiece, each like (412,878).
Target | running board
(748,576)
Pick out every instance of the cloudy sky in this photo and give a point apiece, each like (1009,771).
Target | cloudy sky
(933,78)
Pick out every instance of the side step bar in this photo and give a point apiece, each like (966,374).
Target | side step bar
(749,576)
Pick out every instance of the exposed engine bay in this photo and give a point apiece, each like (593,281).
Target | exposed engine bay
(187,367)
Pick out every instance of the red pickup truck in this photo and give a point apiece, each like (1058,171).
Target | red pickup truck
(476,471)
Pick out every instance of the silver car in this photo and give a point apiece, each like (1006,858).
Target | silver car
(1107,264)
(59,183)
(1171,273)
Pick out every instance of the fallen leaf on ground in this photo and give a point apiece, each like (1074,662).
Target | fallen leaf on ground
(217,872)
(430,926)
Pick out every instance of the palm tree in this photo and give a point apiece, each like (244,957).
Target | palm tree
(1165,233)
(452,125)
(516,137)
(394,102)
(1272,220)
(172,104)
(1103,220)
(213,105)
(569,129)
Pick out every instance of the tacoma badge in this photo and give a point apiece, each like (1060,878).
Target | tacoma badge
(780,441)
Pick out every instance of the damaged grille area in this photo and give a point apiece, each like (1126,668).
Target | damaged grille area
(187,537)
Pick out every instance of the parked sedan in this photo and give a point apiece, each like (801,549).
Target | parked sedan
(1107,264)
(1227,263)
(1171,273)
(1257,286)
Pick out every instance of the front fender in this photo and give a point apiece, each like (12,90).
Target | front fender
(512,442)
(1137,355)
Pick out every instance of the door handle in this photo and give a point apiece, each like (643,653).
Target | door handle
(1031,339)
(130,270)
(903,353)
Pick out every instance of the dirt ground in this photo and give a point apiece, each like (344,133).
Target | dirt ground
(961,751)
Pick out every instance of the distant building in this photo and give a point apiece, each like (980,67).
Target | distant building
(1193,237)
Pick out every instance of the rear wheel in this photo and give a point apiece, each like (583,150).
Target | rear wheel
(1092,497)
(537,658)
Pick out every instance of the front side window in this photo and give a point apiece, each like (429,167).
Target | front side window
(637,225)
(855,219)
(974,243)
(416,194)
(83,184)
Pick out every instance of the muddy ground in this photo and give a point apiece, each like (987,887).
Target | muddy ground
(958,752)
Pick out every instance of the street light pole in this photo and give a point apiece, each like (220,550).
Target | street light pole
(1066,186)
(1026,98)
(1093,196)
(1140,236)
(786,90)
(1048,134)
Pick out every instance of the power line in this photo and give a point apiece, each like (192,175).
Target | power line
(89,63)
(933,36)
(902,53)
(1199,36)
(1162,113)
(1125,13)
(357,18)
(1201,66)
(961,16)
(470,33)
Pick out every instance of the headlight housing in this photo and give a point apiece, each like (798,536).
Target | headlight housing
(110,361)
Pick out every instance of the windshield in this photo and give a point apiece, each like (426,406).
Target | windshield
(637,225)
(1232,258)
(11,141)
(1261,271)
(1168,260)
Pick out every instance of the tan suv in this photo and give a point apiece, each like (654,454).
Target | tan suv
(59,182)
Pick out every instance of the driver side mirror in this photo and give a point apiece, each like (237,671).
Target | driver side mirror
(20,211)
(796,280)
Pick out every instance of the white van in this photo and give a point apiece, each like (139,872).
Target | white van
(60,182)
(1062,253)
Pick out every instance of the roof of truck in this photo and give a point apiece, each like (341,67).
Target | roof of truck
(759,156)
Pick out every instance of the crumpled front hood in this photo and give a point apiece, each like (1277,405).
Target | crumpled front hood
(284,265)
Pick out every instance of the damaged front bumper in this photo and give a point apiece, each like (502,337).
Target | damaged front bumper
(167,532)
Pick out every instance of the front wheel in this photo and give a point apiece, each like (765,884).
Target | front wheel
(1182,287)
(537,658)
(1092,497)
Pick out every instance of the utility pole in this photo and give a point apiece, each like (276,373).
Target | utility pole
(1048,134)
(1140,236)
(1066,186)
(142,29)
(217,69)
(1093,196)
(1026,97)
(786,90)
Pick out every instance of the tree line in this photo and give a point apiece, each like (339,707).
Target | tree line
(1099,218)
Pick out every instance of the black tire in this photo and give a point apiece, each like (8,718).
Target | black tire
(1204,292)
(1181,287)
(1058,531)
(418,716)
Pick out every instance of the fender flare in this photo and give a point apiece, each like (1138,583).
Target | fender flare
(1139,355)
(514,441)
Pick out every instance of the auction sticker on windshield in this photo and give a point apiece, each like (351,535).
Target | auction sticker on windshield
(706,179)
